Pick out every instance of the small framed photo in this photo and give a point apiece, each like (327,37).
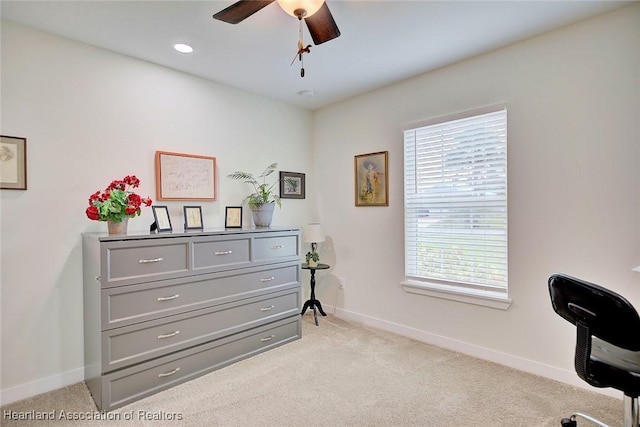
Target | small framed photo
(193,218)
(13,163)
(292,185)
(233,217)
(161,216)
(372,179)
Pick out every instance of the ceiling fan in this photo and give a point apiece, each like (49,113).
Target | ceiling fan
(315,13)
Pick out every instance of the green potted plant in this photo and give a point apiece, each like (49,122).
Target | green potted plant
(312,259)
(263,200)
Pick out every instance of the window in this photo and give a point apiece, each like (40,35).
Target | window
(455,207)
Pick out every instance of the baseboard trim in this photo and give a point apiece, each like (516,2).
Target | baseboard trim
(43,385)
(515,362)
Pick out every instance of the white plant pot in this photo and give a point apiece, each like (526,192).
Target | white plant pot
(263,215)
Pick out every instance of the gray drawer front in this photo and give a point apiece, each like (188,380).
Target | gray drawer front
(221,253)
(131,304)
(273,248)
(137,343)
(145,262)
(125,386)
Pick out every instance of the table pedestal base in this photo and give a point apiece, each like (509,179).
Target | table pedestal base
(313,304)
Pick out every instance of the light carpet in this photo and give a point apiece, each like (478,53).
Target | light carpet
(342,374)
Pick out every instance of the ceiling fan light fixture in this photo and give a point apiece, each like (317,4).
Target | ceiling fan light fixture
(308,6)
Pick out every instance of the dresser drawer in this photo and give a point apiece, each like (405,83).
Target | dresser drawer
(126,305)
(137,343)
(125,386)
(273,248)
(144,261)
(221,253)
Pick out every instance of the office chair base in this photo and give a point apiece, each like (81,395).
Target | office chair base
(572,422)
(631,415)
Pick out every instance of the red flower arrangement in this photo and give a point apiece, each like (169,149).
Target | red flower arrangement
(117,201)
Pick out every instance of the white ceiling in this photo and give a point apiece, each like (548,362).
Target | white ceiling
(381,42)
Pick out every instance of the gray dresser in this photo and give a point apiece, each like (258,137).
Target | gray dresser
(161,309)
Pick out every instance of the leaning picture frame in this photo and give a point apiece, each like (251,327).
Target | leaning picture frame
(13,163)
(162,219)
(292,185)
(371,179)
(193,218)
(233,217)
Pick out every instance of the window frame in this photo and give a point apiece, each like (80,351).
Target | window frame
(479,294)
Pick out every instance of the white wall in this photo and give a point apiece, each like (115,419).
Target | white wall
(573,100)
(91,116)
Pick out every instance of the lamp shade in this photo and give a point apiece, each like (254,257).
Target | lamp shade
(313,233)
(309,6)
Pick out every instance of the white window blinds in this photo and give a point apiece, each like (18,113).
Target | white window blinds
(456,200)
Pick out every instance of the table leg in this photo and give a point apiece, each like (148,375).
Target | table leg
(307,304)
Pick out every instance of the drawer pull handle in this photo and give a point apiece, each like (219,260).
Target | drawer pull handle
(265,339)
(147,261)
(267,279)
(277,247)
(172,334)
(168,298)
(166,374)
(223,252)
(268,308)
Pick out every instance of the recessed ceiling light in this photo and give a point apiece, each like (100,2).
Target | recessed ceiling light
(183,48)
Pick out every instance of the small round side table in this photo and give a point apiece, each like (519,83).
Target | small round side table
(313,302)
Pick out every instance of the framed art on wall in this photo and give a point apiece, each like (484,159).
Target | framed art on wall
(161,217)
(182,176)
(292,185)
(13,163)
(233,217)
(193,218)
(371,179)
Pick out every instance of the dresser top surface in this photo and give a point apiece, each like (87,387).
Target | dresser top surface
(137,235)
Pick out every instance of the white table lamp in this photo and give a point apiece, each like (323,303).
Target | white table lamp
(313,233)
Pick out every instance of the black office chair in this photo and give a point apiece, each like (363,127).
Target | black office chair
(608,340)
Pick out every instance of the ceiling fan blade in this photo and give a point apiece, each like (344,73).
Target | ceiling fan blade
(322,26)
(241,10)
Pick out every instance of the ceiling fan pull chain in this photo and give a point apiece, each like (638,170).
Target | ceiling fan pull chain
(300,39)
(300,46)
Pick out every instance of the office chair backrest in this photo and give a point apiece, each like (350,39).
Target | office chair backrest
(608,315)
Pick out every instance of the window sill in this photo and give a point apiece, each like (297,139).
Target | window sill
(470,296)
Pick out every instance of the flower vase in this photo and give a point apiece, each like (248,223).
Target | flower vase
(311,263)
(116,228)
